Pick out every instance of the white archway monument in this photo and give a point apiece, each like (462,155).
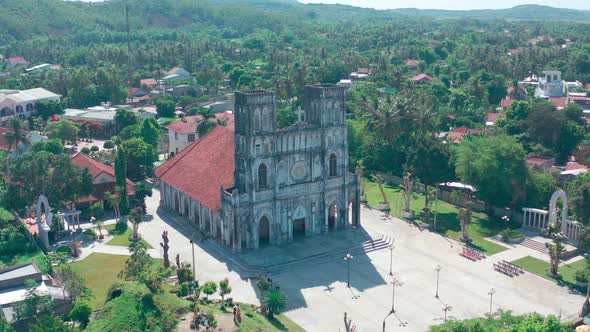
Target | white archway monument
(44,226)
(553,208)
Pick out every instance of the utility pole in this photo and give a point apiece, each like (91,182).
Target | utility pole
(129,71)
(437,269)
(446,309)
(391,247)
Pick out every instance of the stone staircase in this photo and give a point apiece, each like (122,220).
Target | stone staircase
(535,245)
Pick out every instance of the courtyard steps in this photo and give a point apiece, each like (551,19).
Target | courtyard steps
(535,245)
(331,256)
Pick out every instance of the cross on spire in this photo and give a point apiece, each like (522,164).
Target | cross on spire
(299,113)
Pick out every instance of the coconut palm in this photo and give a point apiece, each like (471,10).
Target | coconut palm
(16,134)
(114,200)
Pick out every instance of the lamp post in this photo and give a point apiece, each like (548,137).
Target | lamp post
(391,247)
(348,258)
(437,269)
(394,283)
(446,309)
(491,294)
(435,207)
(194,273)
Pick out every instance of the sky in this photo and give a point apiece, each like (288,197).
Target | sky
(455,4)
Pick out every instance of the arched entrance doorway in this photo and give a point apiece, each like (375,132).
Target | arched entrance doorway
(332,216)
(299,223)
(263,231)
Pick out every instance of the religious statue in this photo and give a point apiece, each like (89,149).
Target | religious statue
(465,220)
(165,247)
(178,260)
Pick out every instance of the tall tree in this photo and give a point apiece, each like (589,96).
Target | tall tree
(494,165)
(121,180)
(16,133)
(150,132)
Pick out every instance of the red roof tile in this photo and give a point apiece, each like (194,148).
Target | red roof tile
(188,124)
(506,102)
(411,63)
(16,59)
(520,87)
(537,161)
(572,165)
(203,167)
(492,117)
(421,77)
(95,167)
(457,135)
(174,70)
(151,82)
(559,102)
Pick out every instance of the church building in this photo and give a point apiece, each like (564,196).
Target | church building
(248,183)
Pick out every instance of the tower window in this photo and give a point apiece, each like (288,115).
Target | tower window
(333,165)
(262,176)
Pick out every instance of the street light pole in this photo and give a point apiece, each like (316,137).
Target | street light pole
(491,294)
(395,283)
(348,258)
(194,273)
(391,247)
(446,309)
(435,207)
(437,269)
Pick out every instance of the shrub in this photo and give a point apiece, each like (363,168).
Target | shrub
(108,145)
(209,288)
(581,275)
(184,289)
(94,148)
(63,250)
(114,291)
(85,150)
(120,227)
(510,234)
(90,232)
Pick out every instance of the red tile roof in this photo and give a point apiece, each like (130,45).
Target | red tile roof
(174,70)
(520,87)
(203,167)
(506,102)
(421,77)
(457,135)
(151,82)
(514,51)
(188,124)
(364,71)
(16,59)
(572,165)
(492,117)
(411,63)
(95,168)
(537,161)
(559,102)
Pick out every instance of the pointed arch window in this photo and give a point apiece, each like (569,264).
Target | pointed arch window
(262,176)
(333,165)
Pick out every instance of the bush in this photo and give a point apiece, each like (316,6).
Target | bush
(509,234)
(581,275)
(85,150)
(108,145)
(120,227)
(90,232)
(94,148)
(63,250)
(184,289)
(114,291)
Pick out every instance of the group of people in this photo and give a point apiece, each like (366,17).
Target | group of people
(237,313)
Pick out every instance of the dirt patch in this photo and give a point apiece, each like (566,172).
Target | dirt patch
(225,323)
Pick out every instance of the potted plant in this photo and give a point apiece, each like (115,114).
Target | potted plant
(384,204)
(407,189)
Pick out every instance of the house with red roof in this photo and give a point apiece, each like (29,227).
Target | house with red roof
(492,118)
(457,135)
(16,61)
(103,179)
(540,163)
(184,132)
(149,83)
(412,63)
(421,78)
(249,183)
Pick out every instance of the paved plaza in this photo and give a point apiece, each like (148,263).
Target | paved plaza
(316,286)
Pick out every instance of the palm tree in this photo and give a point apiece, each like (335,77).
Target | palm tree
(16,133)
(275,301)
(114,201)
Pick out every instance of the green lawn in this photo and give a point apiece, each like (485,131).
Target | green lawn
(539,267)
(121,234)
(447,219)
(100,272)
(253,321)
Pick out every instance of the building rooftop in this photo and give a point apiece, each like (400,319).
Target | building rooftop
(210,163)
(30,95)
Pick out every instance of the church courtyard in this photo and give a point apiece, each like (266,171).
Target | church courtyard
(317,285)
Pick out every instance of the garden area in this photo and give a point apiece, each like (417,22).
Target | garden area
(121,235)
(100,272)
(569,272)
(448,224)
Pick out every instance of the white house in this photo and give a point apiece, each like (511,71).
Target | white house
(22,102)
(182,133)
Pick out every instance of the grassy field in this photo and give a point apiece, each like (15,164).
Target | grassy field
(539,267)
(447,219)
(100,272)
(121,235)
(253,321)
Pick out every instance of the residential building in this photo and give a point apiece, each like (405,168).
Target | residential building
(103,179)
(540,163)
(421,78)
(16,61)
(184,132)
(23,102)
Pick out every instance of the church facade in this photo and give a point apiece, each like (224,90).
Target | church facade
(287,183)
